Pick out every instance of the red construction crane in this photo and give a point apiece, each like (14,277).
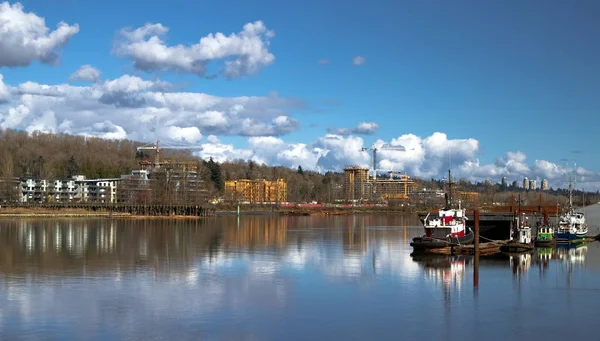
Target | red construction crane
(156,147)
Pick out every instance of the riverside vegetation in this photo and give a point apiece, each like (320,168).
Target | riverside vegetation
(60,156)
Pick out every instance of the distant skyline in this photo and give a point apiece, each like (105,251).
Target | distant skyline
(488,88)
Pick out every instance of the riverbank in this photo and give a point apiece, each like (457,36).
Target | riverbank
(18,212)
(116,211)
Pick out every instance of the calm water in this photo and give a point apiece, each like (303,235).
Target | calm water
(279,278)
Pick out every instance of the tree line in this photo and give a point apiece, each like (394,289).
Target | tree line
(60,156)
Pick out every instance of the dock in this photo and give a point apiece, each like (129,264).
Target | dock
(489,248)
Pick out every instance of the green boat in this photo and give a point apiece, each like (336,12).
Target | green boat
(545,236)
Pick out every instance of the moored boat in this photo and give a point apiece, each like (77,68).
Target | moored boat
(447,228)
(545,236)
(572,227)
(521,239)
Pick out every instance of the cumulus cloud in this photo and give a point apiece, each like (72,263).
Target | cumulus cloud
(363,128)
(25,38)
(85,73)
(4,90)
(366,128)
(135,108)
(243,53)
(358,60)
(420,157)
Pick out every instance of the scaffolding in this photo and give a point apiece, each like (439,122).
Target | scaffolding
(256,191)
(356,183)
(358,186)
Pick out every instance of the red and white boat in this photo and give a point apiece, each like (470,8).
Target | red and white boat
(447,228)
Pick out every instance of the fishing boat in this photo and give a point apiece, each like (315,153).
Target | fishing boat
(520,239)
(447,228)
(545,236)
(572,227)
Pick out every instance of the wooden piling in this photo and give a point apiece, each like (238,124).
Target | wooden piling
(476,240)
(476,247)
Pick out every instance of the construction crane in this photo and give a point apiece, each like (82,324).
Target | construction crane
(404,178)
(156,147)
(374,150)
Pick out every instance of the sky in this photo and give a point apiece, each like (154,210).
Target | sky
(486,88)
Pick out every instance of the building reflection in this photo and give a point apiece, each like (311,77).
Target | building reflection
(367,243)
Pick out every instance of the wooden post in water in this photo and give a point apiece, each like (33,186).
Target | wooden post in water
(476,247)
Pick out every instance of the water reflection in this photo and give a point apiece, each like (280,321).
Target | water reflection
(265,274)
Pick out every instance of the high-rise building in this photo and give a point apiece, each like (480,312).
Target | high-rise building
(504,182)
(532,185)
(526,183)
(356,183)
(488,182)
(544,185)
(515,184)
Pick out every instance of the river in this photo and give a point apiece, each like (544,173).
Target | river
(279,278)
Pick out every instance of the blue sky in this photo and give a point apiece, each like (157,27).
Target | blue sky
(514,76)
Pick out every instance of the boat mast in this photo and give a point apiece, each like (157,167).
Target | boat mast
(449,189)
(570,195)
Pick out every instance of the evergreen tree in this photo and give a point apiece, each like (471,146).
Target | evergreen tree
(72,167)
(300,171)
(215,174)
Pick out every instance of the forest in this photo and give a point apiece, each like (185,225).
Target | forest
(60,156)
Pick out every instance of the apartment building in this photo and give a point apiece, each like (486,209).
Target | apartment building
(77,189)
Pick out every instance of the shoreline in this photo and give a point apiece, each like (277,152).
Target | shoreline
(37,212)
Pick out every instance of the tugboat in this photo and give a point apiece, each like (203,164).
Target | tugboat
(446,229)
(572,227)
(522,242)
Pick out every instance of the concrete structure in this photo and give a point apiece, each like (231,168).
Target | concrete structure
(77,189)
(532,185)
(64,190)
(515,184)
(256,191)
(526,183)
(504,182)
(394,189)
(162,185)
(34,190)
(356,183)
(545,185)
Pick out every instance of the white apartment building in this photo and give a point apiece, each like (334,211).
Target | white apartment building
(77,189)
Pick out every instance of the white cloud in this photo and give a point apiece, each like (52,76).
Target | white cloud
(423,157)
(85,73)
(135,108)
(244,53)
(363,128)
(358,60)
(4,90)
(25,38)
(280,125)
(366,128)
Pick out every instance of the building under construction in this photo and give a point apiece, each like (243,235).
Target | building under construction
(468,197)
(356,183)
(256,191)
(163,180)
(359,186)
